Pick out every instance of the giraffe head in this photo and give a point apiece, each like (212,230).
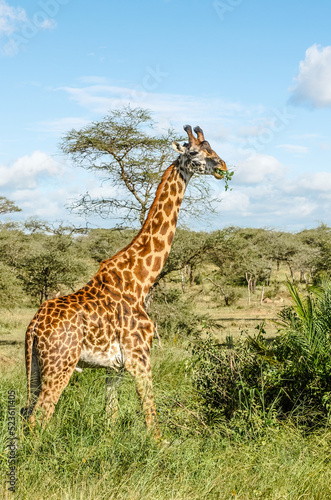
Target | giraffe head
(197,156)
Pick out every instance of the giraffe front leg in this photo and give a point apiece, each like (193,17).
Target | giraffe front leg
(112,382)
(143,377)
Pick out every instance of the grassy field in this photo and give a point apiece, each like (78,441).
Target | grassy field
(81,456)
(13,323)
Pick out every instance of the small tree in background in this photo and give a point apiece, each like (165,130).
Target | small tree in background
(101,244)
(7,206)
(48,272)
(51,265)
(42,260)
(11,292)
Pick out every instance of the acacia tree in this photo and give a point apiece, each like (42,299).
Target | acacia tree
(241,256)
(124,149)
(8,206)
(187,253)
(50,265)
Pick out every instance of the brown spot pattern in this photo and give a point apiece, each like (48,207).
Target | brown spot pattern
(107,313)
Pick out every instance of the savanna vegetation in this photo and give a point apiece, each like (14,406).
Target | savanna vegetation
(241,356)
(244,405)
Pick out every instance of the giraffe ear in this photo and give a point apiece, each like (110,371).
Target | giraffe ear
(178,148)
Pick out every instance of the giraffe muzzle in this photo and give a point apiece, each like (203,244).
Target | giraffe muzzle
(218,174)
(219,171)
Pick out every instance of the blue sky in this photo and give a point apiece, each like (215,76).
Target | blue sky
(255,75)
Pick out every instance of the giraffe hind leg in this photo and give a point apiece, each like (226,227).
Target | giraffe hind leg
(52,386)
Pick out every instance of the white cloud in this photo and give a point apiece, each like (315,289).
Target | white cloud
(325,146)
(62,125)
(313,81)
(47,24)
(267,194)
(294,149)
(10,18)
(93,80)
(315,181)
(234,201)
(181,108)
(26,171)
(270,205)
(37,203)
(262,195)
(259,168)
(299,206)
(257,126)
(19,29)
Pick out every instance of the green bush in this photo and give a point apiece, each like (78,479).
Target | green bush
(255,381)
(11,293)
(230,296)
(174,315)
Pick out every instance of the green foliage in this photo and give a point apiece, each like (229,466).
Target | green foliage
(255,382)
(101,244)
(41,263)
(175,315)
(227,177)
(50,272)
(272,291)
(239,253)
(8,206)
(121,148)
(187,253)
(125,150)
(82,455)
(10,288)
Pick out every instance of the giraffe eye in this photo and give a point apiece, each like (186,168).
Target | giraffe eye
(193,153)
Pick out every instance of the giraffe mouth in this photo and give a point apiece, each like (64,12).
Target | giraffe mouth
(218,173)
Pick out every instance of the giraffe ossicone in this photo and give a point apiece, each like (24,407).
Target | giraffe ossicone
(105,324)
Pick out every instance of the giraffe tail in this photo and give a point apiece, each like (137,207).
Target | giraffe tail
(29,339)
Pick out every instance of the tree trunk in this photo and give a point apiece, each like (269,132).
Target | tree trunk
(262,294)
(291,272)
(182,274)
(156,331)
(249,287)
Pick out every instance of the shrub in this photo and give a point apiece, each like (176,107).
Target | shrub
(256,381)
(229,296)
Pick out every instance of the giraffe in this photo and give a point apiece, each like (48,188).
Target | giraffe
(105,324)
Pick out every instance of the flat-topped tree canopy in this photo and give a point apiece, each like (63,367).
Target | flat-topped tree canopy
(129,155)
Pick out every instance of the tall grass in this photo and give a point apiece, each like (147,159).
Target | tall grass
(81,456)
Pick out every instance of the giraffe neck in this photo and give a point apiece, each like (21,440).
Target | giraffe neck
(143,259)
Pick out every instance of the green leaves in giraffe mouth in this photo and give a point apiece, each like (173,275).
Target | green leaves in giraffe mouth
(218,173)
(223,174)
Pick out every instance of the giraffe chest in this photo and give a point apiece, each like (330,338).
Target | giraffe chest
(108,356)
